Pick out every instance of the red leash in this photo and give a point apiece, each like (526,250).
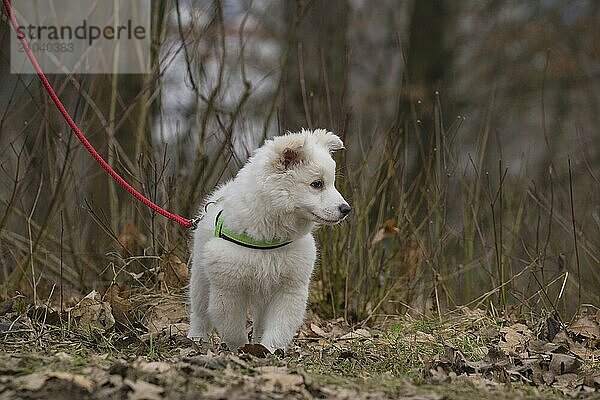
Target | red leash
(187,223)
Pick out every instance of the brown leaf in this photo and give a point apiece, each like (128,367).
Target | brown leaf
(79,380)
(565,380)
(583,352)
(496,356)
(586,327)
(92,312)
(564,364)
(141,390)
(316,331)
(152,367)
(277,379)
(176,272)
(548,377)
(257,350)
(593,380)
(388,229)
(421,337)
(357,334)
(537,374)
(34,382)
(31,382)
(121,306)
(165,316)
(515,338)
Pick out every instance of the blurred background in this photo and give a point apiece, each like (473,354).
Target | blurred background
(472,161)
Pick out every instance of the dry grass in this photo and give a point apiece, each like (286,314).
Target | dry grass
(435,226)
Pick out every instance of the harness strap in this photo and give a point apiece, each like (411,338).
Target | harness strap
(244,240)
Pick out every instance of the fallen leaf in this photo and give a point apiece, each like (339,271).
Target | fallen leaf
(142,390)
(317,331)
(79,380)
(564,364)
(152,367)
(548,377)
(279,380)
(515,338)
(121,306)
(421,337)
(34,382)
(31,382)
(592,380)
(176,272)
(565,380)
(256,349)
(357,334)
(165,315)
(585,327)
(347,355)
(92,312)
(583,352)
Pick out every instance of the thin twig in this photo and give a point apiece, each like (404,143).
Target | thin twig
(575,238)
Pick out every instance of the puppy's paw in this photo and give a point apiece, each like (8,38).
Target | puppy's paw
(194,338)
(255,349)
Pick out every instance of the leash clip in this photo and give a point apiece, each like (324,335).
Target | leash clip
(194,223)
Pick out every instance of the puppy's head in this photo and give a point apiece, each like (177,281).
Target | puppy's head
(305,174)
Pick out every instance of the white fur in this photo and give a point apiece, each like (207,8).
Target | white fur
(270,198)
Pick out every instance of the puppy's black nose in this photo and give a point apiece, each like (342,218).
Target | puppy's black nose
(345,209)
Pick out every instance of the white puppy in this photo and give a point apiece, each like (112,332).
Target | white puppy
(253,247)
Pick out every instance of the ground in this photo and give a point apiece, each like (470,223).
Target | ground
(113,347)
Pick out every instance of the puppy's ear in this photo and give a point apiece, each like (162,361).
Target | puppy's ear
(290,157)
(287,151)
(329,140)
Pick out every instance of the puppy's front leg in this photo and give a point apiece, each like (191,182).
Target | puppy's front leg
(227,311)
(258,320)
(200,325)
(284,315)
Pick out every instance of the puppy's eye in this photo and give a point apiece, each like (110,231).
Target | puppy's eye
(317,184)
